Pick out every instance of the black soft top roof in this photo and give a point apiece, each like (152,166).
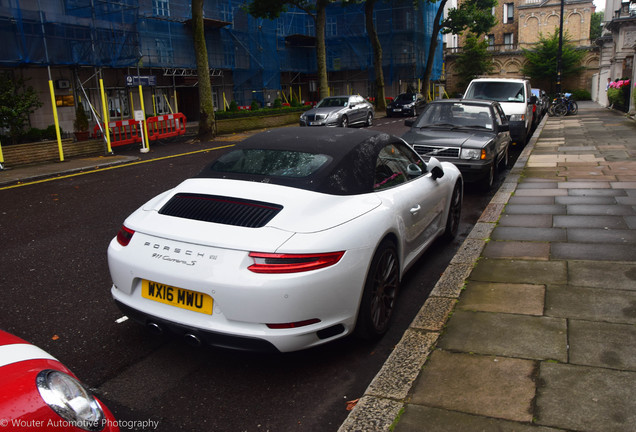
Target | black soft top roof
(352,153)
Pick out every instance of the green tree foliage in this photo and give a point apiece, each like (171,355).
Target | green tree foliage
(17,101)
(596,25)
(317,9)
(474,60)
(207,123)
(541,63)
(472,15)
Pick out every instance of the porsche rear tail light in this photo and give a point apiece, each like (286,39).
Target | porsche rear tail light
(124,236)
(292,263)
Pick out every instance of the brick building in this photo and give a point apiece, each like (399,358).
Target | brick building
(520,23)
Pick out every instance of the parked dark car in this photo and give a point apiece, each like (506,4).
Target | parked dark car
(472,134)
(542,105)
(339,111)
(409,104)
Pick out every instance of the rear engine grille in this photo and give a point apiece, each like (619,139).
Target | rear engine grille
(452,152)
(220,209)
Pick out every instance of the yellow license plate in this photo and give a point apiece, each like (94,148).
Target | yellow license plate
(179,297)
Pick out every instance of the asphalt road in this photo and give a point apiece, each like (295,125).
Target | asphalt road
(55,291)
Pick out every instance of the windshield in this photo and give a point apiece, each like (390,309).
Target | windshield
(333,102)
(455,115)
(496,90)
(405,97)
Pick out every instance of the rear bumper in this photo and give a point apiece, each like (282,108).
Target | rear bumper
(160,325)
(518,131)
(472,171)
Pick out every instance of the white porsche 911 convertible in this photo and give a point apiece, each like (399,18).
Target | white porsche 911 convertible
(295,237)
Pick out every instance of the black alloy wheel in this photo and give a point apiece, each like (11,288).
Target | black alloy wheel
(344,122)
(380,292)
(369,119)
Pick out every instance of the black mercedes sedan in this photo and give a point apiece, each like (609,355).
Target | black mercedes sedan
(406,104)
(472,134)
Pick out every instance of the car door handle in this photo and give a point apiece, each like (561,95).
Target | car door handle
(415,209)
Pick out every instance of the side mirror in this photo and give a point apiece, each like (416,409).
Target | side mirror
(413,170)
(409,122)
(435,168)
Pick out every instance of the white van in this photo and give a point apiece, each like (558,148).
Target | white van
(515,97)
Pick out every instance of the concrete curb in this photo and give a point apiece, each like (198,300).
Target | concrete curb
(385,398)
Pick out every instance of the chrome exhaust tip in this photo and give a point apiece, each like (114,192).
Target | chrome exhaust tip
(154,328)
(192,340)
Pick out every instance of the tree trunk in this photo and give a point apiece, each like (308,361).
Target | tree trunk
(377,56)
(207,124)
(321,49)
(432,47)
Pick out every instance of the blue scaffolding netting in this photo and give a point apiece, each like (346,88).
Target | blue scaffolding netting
(158,34)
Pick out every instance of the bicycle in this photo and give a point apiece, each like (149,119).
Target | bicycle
(563,105)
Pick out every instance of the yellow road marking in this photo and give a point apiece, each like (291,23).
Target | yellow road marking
(90,171)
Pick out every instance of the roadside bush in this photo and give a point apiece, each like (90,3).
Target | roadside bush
(618,94)
(233,106)
(278,103)
(255,105)
(581,95)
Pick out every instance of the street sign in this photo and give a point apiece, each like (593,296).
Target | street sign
(144,80)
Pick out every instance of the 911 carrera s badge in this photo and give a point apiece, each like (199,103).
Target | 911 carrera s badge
(178,297)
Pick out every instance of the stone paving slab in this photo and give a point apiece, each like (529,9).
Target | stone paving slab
(609,222)
(509,335)
(592,304)
(525,299)
(537,209)
(584,235)
(591,200)
(604,345)
(520,271)
(529,234)
(593,251)
(517,249)
(602,275)
(605,402)
(485,385)
(526,221)
(441,420)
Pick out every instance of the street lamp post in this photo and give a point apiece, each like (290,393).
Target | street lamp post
(560,51)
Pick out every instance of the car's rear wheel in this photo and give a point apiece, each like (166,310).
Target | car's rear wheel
(344,122)
(369,119)
(454,213)
(380,291)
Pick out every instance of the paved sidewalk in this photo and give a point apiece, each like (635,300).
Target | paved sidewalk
(532,327)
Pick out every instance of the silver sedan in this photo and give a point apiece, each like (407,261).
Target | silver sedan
(339,111)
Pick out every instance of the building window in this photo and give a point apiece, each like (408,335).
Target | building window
(508,40)
(509,13)
(164,51)
(491,41)
(331,26)
(161,7)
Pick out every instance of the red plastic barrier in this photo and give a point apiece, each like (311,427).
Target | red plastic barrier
(124,132)
(166,126)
